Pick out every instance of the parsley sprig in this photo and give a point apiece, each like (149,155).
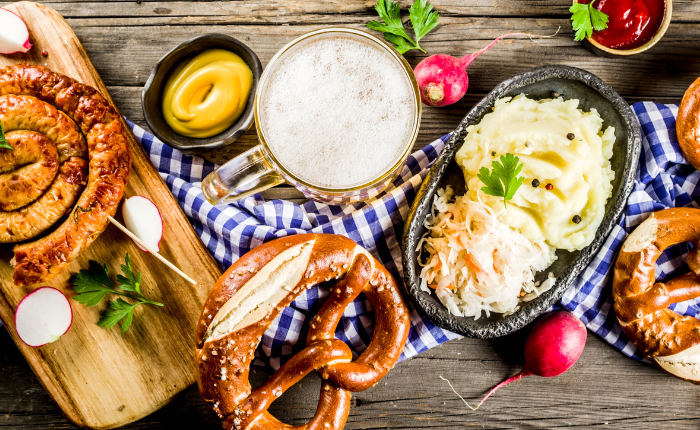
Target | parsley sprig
(421,14)
(93,284)
(502,180)
(3,141)
(585,18)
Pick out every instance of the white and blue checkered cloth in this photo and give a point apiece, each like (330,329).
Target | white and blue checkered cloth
(664,180)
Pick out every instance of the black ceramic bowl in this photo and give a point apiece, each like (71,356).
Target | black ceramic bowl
(537,83)
(152,96)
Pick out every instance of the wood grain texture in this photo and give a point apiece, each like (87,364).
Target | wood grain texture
(604,389)
(101,378)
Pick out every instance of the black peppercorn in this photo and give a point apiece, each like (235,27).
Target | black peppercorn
(571,136)
(554,94)
(576,219)
(535,183)
(493,153)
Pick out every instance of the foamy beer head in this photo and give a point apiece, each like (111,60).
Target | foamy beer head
(338,110)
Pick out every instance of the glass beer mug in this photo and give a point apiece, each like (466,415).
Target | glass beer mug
(337,112)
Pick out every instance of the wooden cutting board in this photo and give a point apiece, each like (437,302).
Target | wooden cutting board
(101,378)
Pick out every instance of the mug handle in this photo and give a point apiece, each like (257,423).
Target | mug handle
(247,174)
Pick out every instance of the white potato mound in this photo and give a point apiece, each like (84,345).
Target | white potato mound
(578,169)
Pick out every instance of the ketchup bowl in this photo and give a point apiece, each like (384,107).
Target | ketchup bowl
(597,44)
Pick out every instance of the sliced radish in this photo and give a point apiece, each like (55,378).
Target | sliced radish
(142,217)
(14,36)
(43,316)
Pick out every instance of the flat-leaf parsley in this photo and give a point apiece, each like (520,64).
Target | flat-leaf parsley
(585,18)
(503,180)
(93,284)
(421,14)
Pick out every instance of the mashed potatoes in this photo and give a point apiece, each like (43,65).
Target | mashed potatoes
(578,168)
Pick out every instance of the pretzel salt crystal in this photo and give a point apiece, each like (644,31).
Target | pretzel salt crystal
(249,296)
(688,124)
(670,340)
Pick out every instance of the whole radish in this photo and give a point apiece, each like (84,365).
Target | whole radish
(552,347)
(442,79)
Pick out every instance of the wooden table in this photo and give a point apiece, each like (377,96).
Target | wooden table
(125,39)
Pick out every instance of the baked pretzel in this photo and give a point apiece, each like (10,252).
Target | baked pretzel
(248,298)
(688,124)
(669,340)
(35,99)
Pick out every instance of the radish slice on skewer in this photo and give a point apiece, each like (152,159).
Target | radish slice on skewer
(14,36)
(142,217)
(43,316)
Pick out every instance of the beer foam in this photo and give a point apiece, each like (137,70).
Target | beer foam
(338,112)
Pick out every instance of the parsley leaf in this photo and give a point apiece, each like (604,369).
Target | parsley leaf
(3,141)
(585,18)
(400,44)
(598,18)
(94,284)
(503,180)
(422,17)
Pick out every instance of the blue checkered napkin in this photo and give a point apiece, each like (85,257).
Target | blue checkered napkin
(232,230)
(664,180)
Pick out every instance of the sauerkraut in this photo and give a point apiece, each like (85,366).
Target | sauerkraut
(477,264)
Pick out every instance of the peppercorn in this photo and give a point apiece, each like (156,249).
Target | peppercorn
(576,219)
(535,183)
(549,187)
(44,53)
(571,136)
(528,143)
(493,153)
(554,94)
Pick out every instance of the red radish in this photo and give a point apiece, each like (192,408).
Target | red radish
(554,344)
(442,79)
(142,217)
(14,36)
(43,316)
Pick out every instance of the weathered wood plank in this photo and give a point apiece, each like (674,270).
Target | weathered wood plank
(124,56)
(297,12)
(603,388)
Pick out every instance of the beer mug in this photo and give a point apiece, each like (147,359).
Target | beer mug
(343,143)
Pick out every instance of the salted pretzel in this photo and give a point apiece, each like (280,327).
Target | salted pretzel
(86,171)
(688,124)
(668,339)
(249,296)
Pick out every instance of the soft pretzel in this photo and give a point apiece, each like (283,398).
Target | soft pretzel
(33,98)
(248,298)
(688,124)
(669,340)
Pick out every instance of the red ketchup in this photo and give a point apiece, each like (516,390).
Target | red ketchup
(631,23)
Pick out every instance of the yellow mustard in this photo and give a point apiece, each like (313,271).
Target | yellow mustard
(207,94)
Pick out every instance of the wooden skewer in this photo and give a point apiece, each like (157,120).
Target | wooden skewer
(151,250)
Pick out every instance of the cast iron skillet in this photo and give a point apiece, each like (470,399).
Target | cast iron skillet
(537,83)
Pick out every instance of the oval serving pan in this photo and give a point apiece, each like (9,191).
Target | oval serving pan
(537,83)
